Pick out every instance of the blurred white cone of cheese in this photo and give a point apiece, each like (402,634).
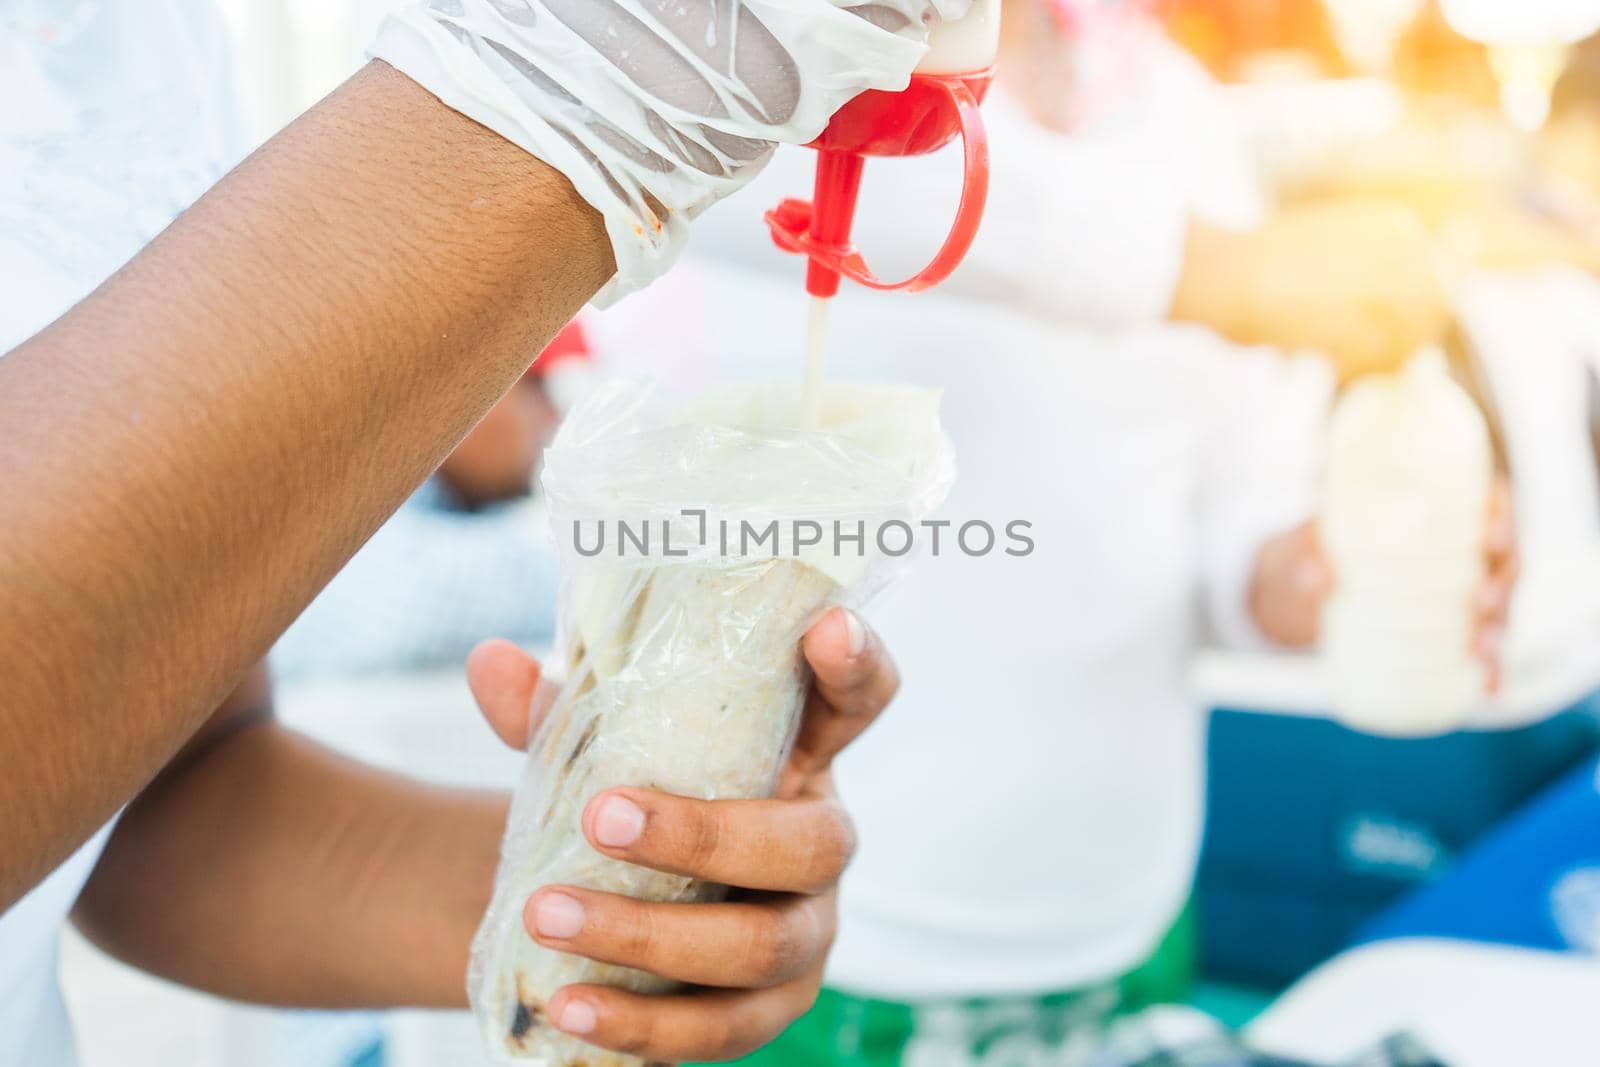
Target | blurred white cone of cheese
(1409,476)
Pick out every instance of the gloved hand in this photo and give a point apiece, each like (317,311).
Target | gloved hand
(656,109)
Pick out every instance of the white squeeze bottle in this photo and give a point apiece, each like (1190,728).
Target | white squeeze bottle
(1405,509)
(967,44)
(940,103)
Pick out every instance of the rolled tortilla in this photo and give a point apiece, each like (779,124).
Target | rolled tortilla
(695,688)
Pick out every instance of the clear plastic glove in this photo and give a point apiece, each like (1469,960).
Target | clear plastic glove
(656,109)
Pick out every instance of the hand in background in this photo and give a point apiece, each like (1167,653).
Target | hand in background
(1354,281)
(1504,565)
(755,961)
(1294,579)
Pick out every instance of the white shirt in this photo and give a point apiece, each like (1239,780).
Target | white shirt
(1030,809)
(115,119)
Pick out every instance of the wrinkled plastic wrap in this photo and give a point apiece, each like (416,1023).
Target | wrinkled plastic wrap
(684,672)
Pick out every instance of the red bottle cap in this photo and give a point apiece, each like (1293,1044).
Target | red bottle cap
(932,111)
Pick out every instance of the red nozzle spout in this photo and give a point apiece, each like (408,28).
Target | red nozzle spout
(833,212)
(932,111)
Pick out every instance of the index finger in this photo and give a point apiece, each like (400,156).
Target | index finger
(855,679)
(781,846)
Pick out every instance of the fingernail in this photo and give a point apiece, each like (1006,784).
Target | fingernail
(558,915)
(577,1017)
(1310,575)
(855,634)
(618,823)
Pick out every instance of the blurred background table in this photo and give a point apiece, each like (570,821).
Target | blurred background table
(1473,1005)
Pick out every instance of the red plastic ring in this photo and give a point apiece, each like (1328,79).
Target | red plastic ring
(790,222)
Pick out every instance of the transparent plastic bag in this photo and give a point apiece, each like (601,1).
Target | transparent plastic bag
(681,639)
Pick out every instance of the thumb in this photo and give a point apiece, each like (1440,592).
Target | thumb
(505,683)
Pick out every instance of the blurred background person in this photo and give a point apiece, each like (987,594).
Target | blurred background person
(1371,844)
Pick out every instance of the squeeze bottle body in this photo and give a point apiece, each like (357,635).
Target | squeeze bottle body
(967,45)
(1404,514)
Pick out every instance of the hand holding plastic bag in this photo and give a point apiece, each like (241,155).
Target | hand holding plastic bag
(754,963)
(684,665)
(655,109)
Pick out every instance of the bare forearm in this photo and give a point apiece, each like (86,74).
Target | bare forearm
(197,447)
(274,871)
